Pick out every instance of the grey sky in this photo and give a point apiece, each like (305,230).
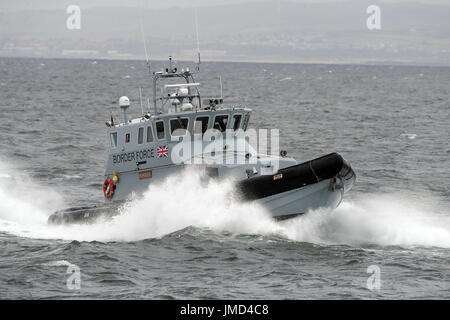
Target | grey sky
(8,5)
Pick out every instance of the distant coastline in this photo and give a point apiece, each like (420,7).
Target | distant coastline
(369,62)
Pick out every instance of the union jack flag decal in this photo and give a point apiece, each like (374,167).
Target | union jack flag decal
(162,152)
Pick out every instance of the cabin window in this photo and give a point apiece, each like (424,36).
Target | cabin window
(141,135)
(149,134)
(114,140)
(127,138)
(236,121)
(221,122)
(201,123)
(160,133)
(178,127)
(246,120)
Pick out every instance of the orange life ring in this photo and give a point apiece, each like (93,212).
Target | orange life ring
(108,188)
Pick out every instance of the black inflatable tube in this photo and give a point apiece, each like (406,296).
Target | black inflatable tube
(298,176)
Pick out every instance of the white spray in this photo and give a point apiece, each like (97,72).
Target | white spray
(182,201)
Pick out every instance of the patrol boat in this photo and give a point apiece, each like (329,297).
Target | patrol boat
(185,131)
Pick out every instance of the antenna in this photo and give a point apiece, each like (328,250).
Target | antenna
(145,44)
(140,98)
(221,89)
(148,104)
(198,41)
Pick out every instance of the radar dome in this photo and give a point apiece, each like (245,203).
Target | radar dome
(124,102)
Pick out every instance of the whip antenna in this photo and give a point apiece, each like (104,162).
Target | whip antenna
(221,88)
(198,41)
(148,104)
(140,98)
(145,44)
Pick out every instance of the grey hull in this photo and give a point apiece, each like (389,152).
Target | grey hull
(319,183)
(282,206)
(324,194)
(300,201)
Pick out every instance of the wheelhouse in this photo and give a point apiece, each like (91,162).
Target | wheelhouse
(178,111)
